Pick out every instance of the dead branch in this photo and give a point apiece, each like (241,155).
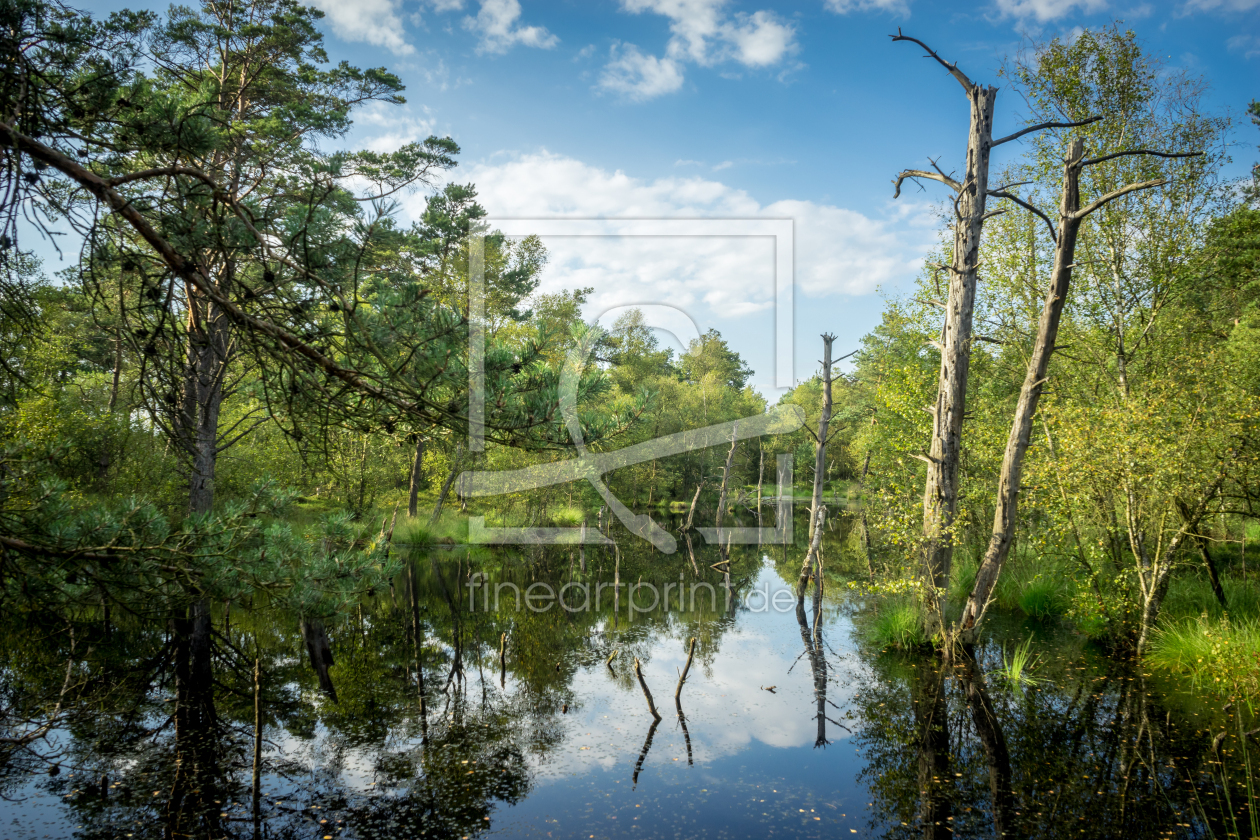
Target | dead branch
(1040,126)
(967,84)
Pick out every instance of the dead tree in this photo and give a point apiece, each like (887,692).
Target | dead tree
(726,477)
(940,491)
(1071,216)
(820,456)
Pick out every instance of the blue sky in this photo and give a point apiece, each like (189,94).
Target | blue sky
(737,109)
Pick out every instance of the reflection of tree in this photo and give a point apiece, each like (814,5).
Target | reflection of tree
(1084,754)
(989,730)
(811,636)
(931,741)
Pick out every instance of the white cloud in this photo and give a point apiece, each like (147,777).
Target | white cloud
(759,39)
(497,24)
(1045,10)
(838,251)
(1221,5)
(1248,45)
(844,7)
(703,33)
(397,126)
(638,76)
(375,22)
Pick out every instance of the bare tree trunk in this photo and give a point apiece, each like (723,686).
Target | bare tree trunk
(810,565)
(1071,215)
(417,479)
(446,485)
(940,492)
(691,512)
(820,443)
(726,476)
(761,472)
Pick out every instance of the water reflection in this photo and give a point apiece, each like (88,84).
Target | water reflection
(431,712)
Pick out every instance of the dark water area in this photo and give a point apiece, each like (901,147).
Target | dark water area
(790,725)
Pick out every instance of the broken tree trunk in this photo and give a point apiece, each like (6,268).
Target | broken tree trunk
(1071,215)
(691,512)
(820,443)
(726,477)
(940,491)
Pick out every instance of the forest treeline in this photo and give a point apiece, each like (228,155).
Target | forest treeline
(254,374)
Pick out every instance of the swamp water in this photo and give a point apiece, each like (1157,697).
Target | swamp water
(792,726)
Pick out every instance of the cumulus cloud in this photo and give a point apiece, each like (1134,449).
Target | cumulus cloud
(1046,10)
(637,76)
(497,23)
(374,22)
(702,32)
(837,250)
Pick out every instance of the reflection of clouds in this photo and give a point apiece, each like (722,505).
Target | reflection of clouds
(726,707)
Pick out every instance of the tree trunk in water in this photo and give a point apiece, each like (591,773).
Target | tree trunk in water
(761,471)
(726,476)
(811,557)
(1004,517)
(692,511)
(940,491)
(820,444)
(417,478)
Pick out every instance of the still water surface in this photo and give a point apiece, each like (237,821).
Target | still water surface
(791,727)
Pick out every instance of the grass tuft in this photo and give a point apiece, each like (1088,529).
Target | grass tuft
(1016,665)
(897,624)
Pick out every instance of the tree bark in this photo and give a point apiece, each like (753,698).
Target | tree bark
(446,485)
(820,444)
(940,491)
(726,477)
(417,479)
(1071,216)
(1004,517)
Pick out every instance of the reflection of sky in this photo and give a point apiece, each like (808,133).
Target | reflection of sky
(726,705)
(755,766)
